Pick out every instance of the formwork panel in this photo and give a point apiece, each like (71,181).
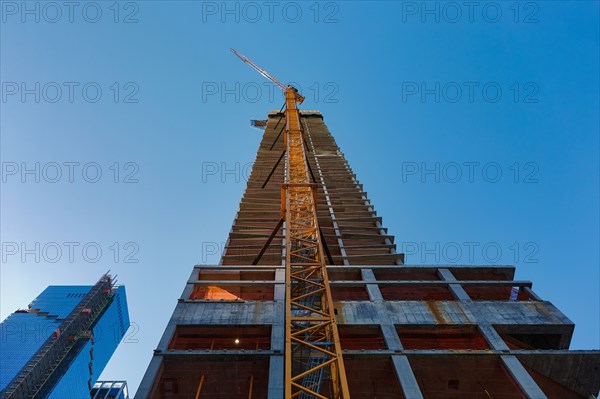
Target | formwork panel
(463,377)
(405,274)
(415,293)
(532,341)
(491,293)
(339,274)
(483,273)
(349,293)
(367,337)
(222,274)
(553,389)
(239,379)
(372,378)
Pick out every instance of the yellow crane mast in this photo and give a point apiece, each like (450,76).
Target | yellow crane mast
(312,353)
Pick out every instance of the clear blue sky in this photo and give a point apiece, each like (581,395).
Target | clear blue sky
(495,89)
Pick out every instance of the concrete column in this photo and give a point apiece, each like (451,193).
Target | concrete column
(189,288)
(368,275)
(406,377)
(276,365)
(145,388)
(532,294)
(391,337)
(277,362)
(492,337)
(513,365)
(278,328)
(372,289)
(167,336)
(408,382)
(522,378)
(456,289)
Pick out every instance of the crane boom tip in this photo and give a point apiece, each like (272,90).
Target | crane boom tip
(259,69)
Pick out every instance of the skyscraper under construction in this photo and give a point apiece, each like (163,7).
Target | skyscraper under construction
(58,346)
(267,322)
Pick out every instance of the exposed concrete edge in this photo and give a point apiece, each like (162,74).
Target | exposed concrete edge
(577,370)
(305,112)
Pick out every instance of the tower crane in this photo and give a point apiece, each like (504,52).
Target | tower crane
(313,353)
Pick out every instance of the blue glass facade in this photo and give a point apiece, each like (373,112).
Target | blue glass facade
(21,335)
(24,332)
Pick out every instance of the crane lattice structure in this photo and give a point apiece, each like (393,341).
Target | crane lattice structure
(312,348)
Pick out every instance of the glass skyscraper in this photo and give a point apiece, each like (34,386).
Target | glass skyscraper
(58,347)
